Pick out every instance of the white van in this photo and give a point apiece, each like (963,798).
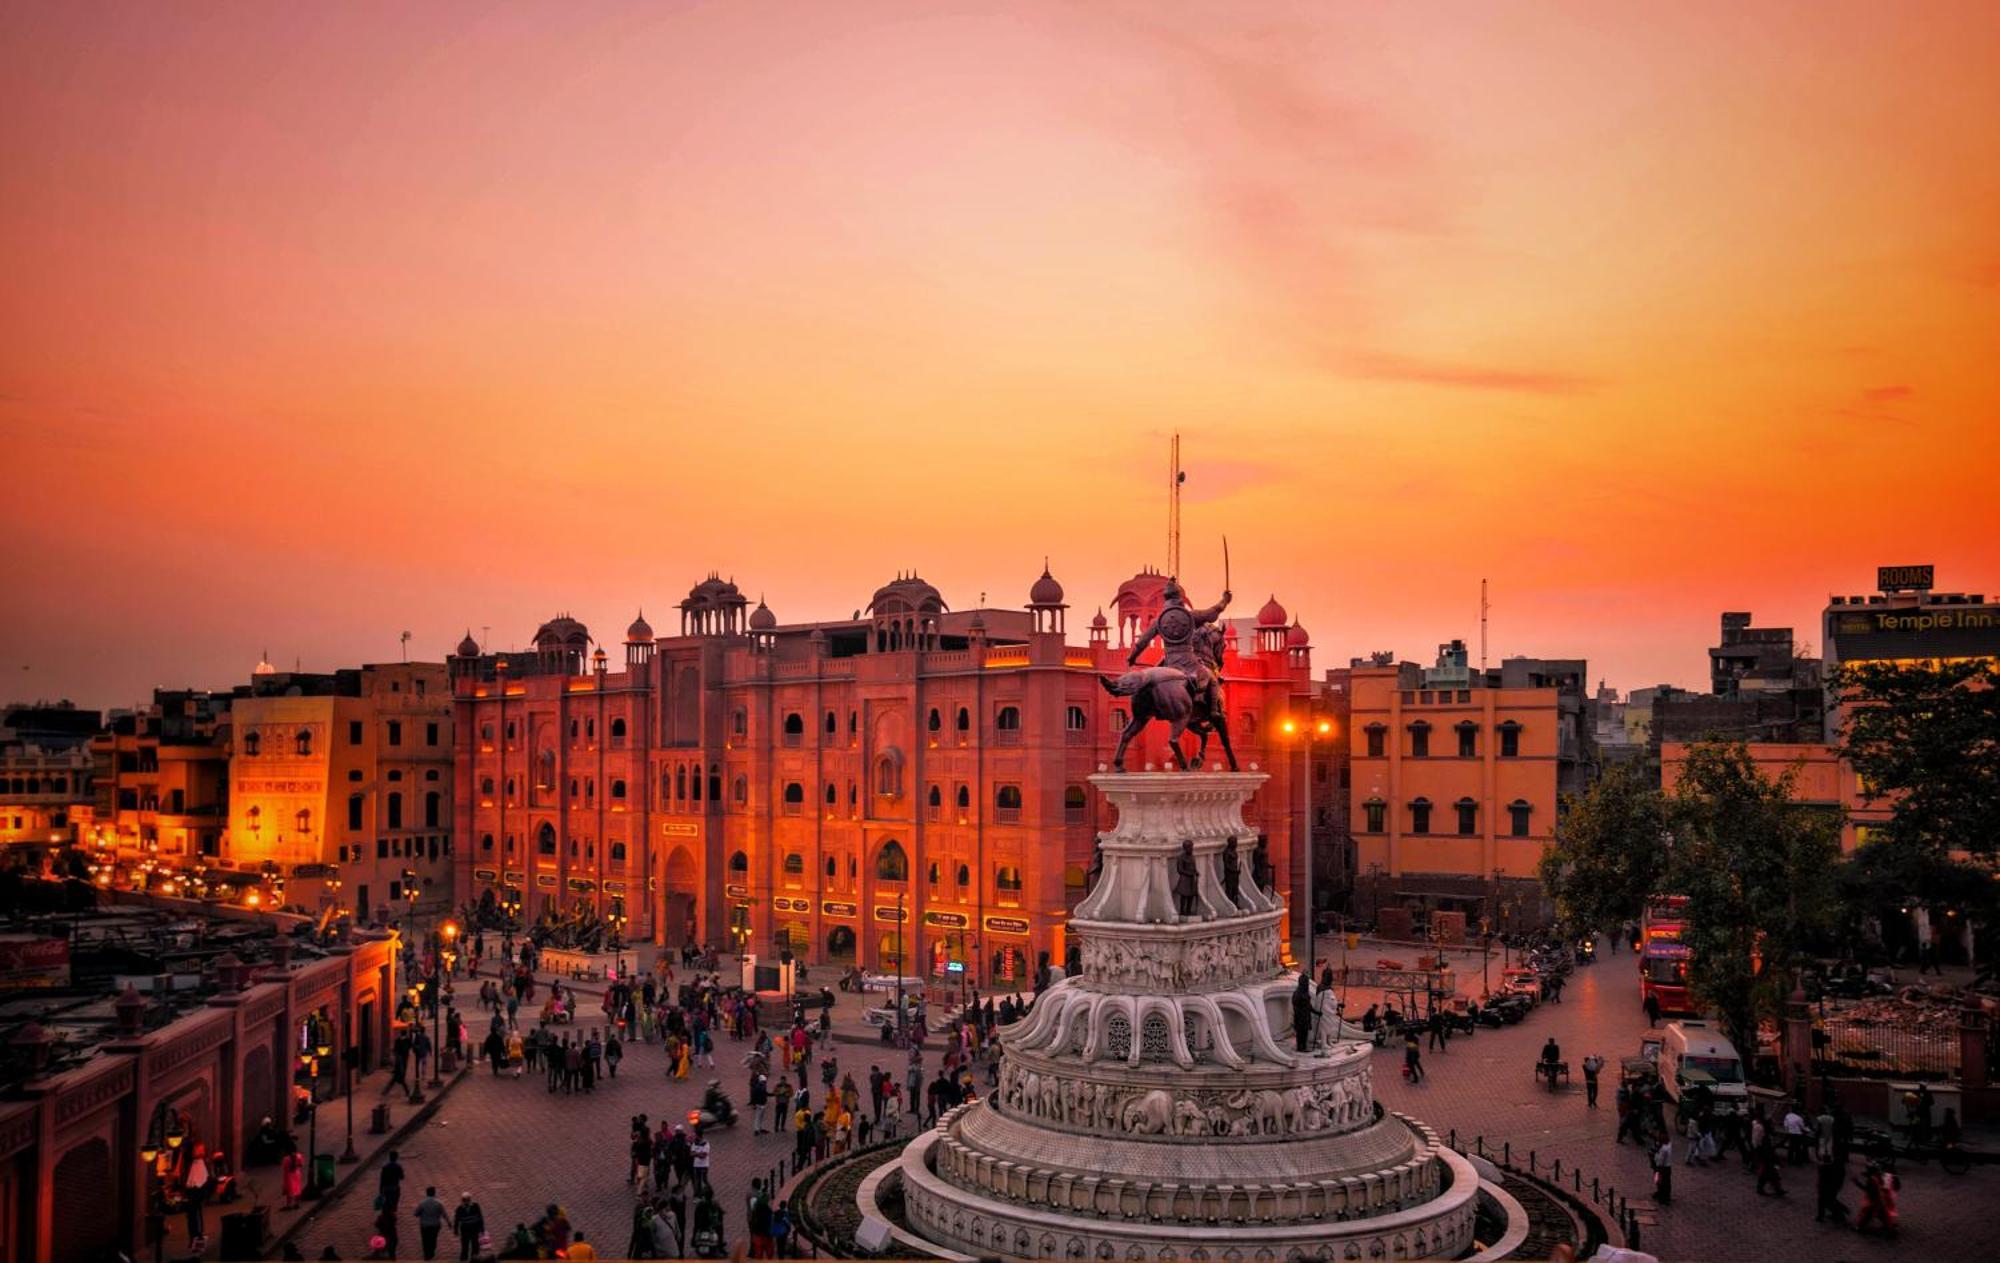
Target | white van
(1694,1053)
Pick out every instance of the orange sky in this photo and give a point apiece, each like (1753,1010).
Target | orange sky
(323,322)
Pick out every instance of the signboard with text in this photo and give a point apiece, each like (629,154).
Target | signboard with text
(27,962)
(1919,632)
(1905,578)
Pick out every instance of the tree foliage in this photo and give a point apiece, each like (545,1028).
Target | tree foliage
(1926,736)
(1757,868)
(1609,852)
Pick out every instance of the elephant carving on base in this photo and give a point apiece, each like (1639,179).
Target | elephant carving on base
(1149,1115)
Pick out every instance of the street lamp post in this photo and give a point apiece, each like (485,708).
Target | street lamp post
(311,1062)
(350,1056)
(902,1039)
(1307,734)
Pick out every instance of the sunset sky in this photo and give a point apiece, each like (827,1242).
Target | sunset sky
(326,321)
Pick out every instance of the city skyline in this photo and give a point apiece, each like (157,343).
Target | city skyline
(328,325)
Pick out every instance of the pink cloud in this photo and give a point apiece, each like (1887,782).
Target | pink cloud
(1384,366)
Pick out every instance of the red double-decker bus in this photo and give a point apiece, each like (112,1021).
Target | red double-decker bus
(1663,957)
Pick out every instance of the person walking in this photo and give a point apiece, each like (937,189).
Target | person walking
(389,1183)
(701,1155)
(1591,1066)
(614,1052)
(430,1217)
(760,1102)
(293,1172)
(399,1076)
(781,1102)
(1764,1150)
(757,1218)
(1663,1170)
(1878,1199)
(1413,1057)
(495,1047)
(469,1222)
(1830,1170)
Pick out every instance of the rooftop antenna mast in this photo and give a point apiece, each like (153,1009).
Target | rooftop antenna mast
(1482,626)
(1176,476)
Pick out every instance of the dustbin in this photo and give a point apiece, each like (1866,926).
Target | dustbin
(243,1234)
(378,1120)
(322,1171)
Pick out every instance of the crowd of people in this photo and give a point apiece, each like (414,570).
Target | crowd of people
(794,1081)
(1767,1141)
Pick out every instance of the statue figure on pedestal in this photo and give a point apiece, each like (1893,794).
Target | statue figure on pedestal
(1232,872)
(1096,866)
(1186,880)
(1302,1012)
(1183,690)
(1260,867)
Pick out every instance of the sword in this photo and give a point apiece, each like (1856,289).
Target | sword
(1225,565)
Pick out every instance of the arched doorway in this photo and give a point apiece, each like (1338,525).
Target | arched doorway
(840,945)
(679,886)
(891,954)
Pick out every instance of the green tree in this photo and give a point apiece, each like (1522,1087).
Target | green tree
(1927,737)
(1609,852)
(1757,867)
(1883,880)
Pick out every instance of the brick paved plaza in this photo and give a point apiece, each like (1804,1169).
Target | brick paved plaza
(516,1148)
(1484,1086)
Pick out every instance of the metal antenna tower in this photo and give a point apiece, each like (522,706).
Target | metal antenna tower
(1482,626)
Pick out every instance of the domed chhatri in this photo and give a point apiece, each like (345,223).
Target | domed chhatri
(1272,615)
(761,618)
(640,632)
(1046,590)
(1180,1098)
(468,648)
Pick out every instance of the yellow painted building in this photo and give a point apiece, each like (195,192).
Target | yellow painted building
(343,783)
(1456,774)
(1821,778)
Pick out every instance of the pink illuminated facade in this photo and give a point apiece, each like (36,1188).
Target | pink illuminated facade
(907,787)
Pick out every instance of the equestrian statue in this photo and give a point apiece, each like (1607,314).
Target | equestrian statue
(1185,689)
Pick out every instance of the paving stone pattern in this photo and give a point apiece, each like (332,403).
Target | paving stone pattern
(1485,1086)
(516,1148)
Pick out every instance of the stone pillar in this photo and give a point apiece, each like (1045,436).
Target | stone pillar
(1972,1037)
(1795,1046)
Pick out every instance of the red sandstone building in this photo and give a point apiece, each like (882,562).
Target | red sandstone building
(905,787)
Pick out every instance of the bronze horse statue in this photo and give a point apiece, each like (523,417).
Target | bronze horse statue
(1178,697)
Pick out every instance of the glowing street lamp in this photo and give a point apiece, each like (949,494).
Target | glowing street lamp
(1305,733)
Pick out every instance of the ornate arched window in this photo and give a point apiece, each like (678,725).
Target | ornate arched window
(889,773)
(891,863)
(739,862)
